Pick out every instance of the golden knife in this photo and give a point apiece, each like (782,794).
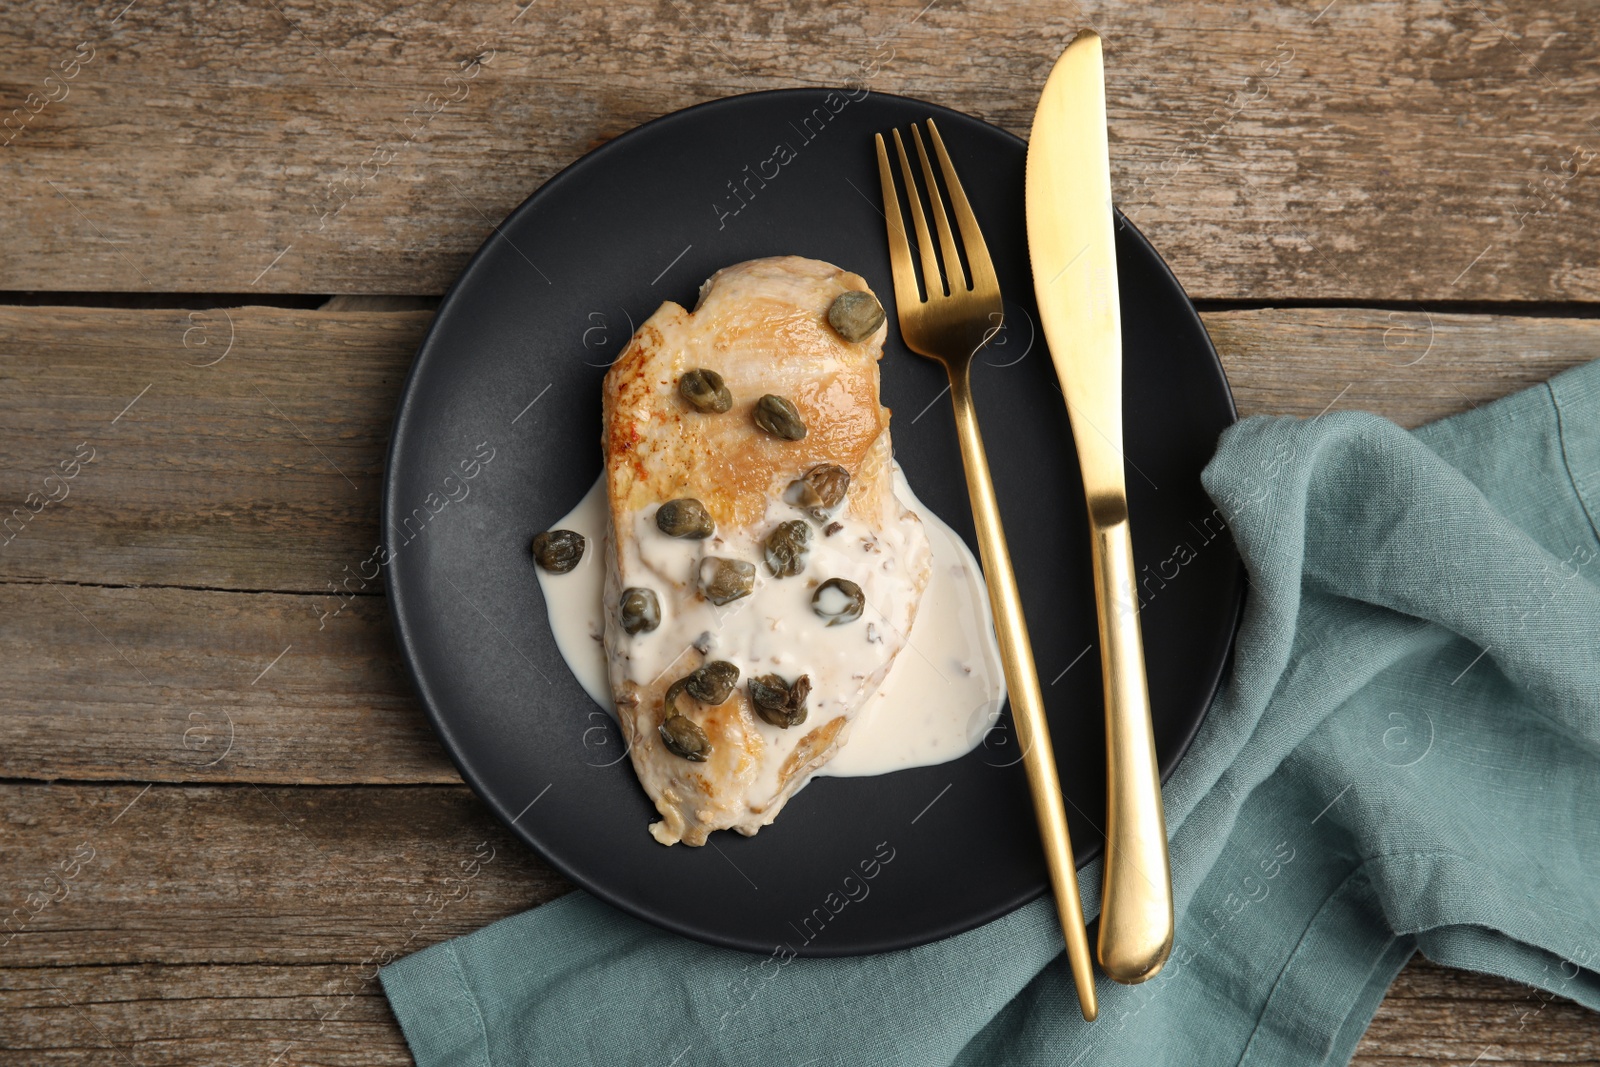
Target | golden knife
(1072,247)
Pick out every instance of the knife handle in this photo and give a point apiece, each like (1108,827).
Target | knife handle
(1136,895)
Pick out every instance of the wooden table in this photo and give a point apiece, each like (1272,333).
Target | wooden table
(225,228)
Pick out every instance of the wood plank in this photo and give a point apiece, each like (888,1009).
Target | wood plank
(225,925)
(1409,366)
(1360,150)
(1435,1015)
(156,1016)
(204,875)
(262,471)
(174,685)
(203,488)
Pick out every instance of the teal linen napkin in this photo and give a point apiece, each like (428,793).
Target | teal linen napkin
(1406,754)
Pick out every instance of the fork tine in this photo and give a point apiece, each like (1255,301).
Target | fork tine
(932,279)
(955,277)
(905,273)
(978,261)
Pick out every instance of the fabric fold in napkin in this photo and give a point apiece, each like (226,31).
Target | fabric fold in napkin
(1406,755)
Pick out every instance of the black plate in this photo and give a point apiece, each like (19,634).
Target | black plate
(534,320)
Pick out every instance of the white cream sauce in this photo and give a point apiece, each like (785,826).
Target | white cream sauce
(941,696)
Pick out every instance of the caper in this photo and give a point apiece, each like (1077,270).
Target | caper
(768,691)
(558,551)
(685,517)
(683,737)
(779,703)
(640,611)
(779,417)
(856,315)
(713,682)
(838,600)
(787,547)
(819,490)
(726,580)
(704,390)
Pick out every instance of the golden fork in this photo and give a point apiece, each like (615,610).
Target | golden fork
(952,327)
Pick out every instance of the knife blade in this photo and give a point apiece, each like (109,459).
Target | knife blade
(1072,245)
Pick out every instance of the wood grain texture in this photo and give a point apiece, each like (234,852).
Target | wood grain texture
(1362,150)
(174,614)
(258,471)
(1435,1015)
(227,925)
(224,925)
(263,470)
(175,685)
(1411,366)
(206,875)
(262,1015)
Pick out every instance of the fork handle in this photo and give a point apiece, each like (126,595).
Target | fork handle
(1022,683)
(1136,898)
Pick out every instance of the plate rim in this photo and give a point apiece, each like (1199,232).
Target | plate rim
(401,429)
